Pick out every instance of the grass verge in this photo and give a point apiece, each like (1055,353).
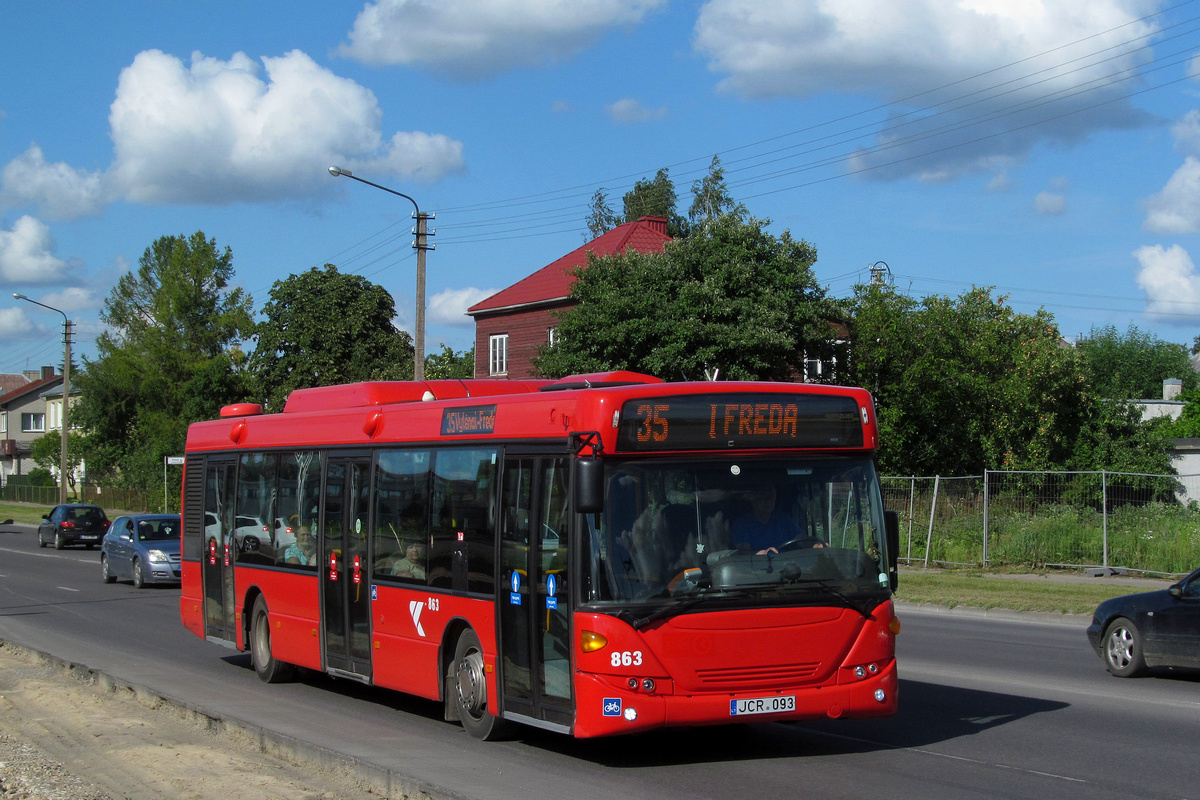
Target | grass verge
(1015,593)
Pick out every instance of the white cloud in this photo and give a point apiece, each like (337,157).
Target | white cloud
(14,324)
(1050,203)
(73,298)
(27,254)
(450,307)
(896,51)
(628,111)
(1176,209)
(474,38)
(60,191)
(1169,279)
(217,133)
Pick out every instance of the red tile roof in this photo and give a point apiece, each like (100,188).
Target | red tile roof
(553,282)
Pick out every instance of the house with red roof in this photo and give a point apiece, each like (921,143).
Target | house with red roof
(512,324)
(26,413)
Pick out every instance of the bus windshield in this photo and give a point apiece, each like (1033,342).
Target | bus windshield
(779,531)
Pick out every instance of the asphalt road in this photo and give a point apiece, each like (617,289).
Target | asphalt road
(990,708)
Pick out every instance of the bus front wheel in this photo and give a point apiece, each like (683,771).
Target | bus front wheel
(269,668)
(469,684)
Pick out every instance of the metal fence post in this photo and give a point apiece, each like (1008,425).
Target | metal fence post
(932,510)
(985,517)
(1104,513)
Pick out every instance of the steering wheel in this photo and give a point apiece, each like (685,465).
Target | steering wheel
(800,543)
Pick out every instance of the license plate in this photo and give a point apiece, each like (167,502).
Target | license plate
(775,704)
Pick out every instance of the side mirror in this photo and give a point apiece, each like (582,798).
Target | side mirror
(1175,591)
(891,524)
(589,485)
(46,517)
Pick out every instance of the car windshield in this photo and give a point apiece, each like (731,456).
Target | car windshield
(776,531)
(149,530)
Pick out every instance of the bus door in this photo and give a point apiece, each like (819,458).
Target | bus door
(216,562)
(345,591)
(532,593)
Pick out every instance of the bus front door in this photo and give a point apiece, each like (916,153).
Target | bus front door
(345,599)
(216,562)
(535,639)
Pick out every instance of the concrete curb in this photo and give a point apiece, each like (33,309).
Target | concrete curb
(382,780)
(1029,617)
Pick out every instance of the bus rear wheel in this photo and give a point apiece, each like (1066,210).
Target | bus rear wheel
(469,686)
(269,668)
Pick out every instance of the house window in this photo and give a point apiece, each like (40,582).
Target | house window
(498,354)
(552,336)
(33,423)
(823,370)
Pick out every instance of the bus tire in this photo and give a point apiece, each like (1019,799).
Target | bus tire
(468,682)
(269,668)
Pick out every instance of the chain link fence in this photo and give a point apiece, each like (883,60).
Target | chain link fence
(107,497)
(1114,520)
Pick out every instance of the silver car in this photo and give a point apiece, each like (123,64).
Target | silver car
(143,548)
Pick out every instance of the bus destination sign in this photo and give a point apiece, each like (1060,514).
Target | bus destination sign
(468,420)
(705,422)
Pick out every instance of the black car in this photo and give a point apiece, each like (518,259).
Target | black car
(1152,629)
(73,523)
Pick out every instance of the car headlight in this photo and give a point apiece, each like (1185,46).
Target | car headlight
(158,557)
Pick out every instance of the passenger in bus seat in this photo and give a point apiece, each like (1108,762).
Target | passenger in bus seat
(412,564)
(302,550)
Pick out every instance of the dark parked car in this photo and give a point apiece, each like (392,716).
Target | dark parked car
(73,523)
(1153,629)
(143,548)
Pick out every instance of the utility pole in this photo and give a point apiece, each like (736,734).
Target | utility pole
(62,460)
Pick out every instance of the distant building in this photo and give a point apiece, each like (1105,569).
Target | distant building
(512,324)
(26,413)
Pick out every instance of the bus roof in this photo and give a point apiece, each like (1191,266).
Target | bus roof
(374,412)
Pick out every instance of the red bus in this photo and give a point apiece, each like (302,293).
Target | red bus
(598,555)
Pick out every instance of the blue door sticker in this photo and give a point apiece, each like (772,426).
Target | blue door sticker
(551,585)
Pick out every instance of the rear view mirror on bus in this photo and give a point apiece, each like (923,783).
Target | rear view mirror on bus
(891,522)
(589,485)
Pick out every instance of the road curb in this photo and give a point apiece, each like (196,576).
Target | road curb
(382,780)
(1030,617)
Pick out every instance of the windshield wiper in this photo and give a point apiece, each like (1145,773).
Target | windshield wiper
(826,586)
(679,606)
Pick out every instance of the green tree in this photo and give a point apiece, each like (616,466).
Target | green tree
(964,384)
(449,364)
(731,298)
(325,327)
(1133,365)
(46,452)
(655,197)
(171,326)
(711,198)
(601,218)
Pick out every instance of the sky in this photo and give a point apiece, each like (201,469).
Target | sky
(1047,148)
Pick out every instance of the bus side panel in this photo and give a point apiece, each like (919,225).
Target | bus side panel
(291,602)
(408,629)
(191,601)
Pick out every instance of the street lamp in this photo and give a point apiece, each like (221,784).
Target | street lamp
(420,246)
(62,458)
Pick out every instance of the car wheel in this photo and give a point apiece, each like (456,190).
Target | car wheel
(105,571)
(139,580)
(41,541)
(468,689)
(1123,649)
(269,668)
(59,544)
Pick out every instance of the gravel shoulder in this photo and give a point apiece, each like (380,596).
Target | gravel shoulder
(69,734)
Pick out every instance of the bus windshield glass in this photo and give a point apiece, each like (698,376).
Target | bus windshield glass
(773,531)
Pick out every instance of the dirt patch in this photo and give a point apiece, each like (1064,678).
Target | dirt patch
(66,736)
